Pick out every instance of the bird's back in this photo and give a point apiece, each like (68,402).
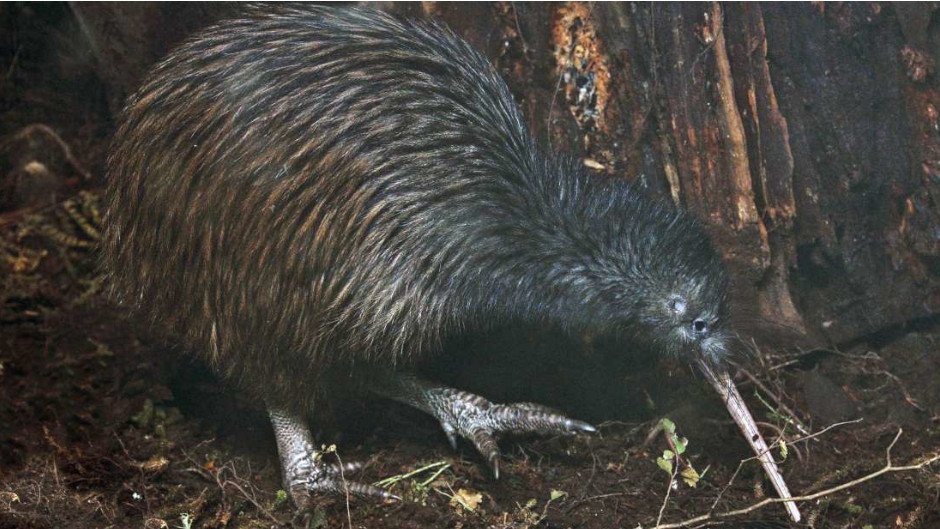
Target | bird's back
(291,187)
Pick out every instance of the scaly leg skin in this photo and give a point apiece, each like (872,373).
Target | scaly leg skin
(303,471)
(474,418)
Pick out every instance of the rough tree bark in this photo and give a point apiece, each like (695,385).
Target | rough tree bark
(805,135)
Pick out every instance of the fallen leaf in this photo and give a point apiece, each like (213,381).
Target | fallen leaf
(690,476)
(154,464)
(467,499)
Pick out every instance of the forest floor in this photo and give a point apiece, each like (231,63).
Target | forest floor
(102,426)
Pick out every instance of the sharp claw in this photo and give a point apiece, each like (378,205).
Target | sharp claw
(383,494)
(580,426)
(481,422)
(486,445)
(532,418)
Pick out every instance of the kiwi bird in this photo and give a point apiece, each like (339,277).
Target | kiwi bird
(304,195)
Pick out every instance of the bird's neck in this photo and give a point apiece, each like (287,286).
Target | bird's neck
(556,267)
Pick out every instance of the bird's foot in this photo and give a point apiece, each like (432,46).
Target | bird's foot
(482,422)
(303,469)
(310,475)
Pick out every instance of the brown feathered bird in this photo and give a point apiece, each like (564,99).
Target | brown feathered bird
(302,192)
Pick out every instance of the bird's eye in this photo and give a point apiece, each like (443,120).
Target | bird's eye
(700,326)
(677,306)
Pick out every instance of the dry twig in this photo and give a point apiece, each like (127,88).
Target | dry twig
(777,400)
(216,476)
(888,468)
(672,480)
(790,443)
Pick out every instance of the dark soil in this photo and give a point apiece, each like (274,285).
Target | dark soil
(104,425)
(103,428)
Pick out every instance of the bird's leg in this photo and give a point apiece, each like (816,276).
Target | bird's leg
(302,468)
(473,417)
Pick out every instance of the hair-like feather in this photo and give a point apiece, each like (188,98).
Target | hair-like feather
(306,187)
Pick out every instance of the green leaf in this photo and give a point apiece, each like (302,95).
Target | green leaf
(668,454)
(664,464)
(668,425)
(557,494)
(280,498)
(681,443)
(531,503)
(783,449)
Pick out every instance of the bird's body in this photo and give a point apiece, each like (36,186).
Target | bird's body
(302,191)
(291,191)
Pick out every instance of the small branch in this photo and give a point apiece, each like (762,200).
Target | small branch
(870,356)
(781,436)
(66,150)
(672,480)
(888,468)
(342,475)
(388,482)
(217,477)
(792,443)
(907,396)
(777,400)
(826,429)
(250,498)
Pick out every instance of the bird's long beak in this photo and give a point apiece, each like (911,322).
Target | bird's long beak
(735,404)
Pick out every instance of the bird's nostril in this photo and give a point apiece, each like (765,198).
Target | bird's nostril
(700,326)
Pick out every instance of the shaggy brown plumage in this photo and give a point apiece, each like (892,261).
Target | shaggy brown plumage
(303,188)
